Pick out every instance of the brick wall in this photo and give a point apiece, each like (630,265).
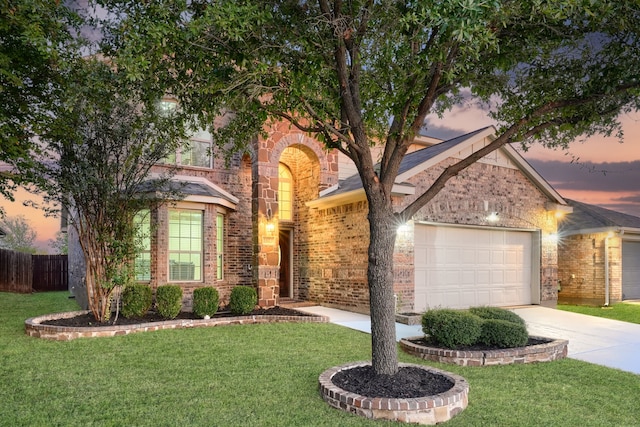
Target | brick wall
(339,235)
(581,269)
(234,178)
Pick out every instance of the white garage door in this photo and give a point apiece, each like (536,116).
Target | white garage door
(460,267)
(630,270)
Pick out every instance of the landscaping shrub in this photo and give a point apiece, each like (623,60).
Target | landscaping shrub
(451,328)
(205,301)
(136,300)
(243,300)
(168,301)
(503,334)
(497,313)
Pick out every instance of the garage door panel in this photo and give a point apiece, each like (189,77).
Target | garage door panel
(468,266)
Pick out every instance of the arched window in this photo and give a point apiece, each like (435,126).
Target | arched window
(285,193)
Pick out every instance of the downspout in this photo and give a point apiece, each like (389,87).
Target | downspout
(606,271)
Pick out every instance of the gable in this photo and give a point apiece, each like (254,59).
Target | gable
(425,158)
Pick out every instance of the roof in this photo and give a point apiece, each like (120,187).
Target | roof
(590,218)
(421,160)
(194,189)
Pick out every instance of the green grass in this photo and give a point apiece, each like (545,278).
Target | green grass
(622,311)
(260,375)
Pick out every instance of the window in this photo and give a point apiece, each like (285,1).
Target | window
(142,263)
(196,152)
(219,246)
(185,245)
(285,184)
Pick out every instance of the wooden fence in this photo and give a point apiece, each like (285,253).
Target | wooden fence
(25,273)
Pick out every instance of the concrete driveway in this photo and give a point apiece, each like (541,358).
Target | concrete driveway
(592,339)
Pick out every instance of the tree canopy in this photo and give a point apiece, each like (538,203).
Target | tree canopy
(36,39)
(95,158)
(364,72)
(19,235)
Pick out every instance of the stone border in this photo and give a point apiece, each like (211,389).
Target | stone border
(422,410)
(35,328)
(410,319)
(546,352)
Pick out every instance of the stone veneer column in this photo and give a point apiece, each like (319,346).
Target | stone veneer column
(266,270)
(267,153)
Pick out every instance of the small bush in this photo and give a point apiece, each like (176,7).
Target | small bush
(205,301)
(503,334)
(451,328)
(168,301)
(243,300)
(136,300)
(497,313)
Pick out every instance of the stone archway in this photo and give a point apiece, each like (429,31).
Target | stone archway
(313,170)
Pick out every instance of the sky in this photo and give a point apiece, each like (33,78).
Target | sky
(599,171)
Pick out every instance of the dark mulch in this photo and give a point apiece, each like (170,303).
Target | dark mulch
(426,342)
(409,382)
(87,320)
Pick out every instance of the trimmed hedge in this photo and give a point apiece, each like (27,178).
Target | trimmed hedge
(137,299)
(243,300)
(503,334)
(452,328)
(490,326)
(168,301)
(205,301)
(497,313)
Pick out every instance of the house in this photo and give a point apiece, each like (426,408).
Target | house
(290,218)
(599,256)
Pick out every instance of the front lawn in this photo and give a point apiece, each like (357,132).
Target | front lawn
(260,375)
(625,312)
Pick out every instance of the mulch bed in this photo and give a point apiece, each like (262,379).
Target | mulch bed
(426,342)
(408,383)
(87,320)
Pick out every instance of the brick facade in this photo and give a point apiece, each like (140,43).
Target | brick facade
(581,268)
(328,245)
(339,235)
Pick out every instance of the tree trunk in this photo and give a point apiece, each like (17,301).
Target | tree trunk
(382,229)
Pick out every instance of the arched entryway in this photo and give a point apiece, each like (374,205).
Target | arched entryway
(309,169)
(298,182)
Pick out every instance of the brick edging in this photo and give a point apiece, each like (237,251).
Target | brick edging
(546,352)
(422,410)
(35,328)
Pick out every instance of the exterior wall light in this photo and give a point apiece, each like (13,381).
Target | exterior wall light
(270,228)
(493,217)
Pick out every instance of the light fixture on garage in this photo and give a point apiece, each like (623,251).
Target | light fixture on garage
(493,217)
(404,228)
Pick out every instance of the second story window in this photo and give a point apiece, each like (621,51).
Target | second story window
(194,152)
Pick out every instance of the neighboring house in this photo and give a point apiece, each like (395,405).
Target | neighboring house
(599,256)
(290,218)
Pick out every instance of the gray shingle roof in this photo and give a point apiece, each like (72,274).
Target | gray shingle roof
(409,161)
(585,217)
(186,188)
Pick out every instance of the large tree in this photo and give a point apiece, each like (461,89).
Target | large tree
(36,41)
(95,157)
(363,72)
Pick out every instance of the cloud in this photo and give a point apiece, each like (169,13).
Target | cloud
(607,176)
(612,185)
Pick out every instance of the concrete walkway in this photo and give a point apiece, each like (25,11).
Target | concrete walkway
(592,339)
